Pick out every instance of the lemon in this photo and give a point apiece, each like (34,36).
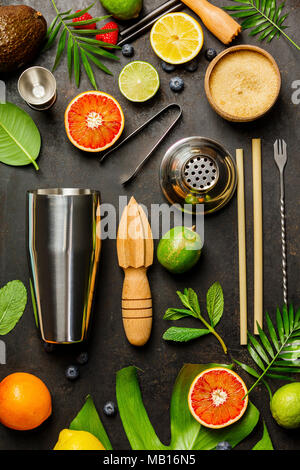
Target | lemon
(77,440)
(139,81)
(176,38)
(285,406)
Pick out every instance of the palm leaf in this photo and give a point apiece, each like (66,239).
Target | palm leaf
(80,47)
(276,354)
(263,17)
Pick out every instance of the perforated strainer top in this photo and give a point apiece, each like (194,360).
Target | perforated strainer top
(200,173)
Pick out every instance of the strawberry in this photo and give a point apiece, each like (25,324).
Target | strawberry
(84,17)
(112,37)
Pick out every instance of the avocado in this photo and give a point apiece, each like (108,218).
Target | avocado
(22,32)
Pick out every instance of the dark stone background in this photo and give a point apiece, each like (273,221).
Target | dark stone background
(61,164)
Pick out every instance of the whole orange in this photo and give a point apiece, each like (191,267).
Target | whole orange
(25,401)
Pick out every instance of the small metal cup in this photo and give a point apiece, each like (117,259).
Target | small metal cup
(63,240)
(37,87)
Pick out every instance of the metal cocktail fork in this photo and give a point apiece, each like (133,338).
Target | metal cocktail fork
(280,157)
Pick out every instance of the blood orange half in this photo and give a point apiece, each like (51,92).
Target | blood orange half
(217,398)
(94,121)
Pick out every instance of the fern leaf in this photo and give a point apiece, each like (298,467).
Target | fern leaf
(264,17)
(276,353)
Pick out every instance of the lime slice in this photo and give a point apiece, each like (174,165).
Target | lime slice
(139,81)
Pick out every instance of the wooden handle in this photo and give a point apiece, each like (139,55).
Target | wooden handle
(137,306)
(222,25)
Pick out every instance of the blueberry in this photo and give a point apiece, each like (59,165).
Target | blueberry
(49,347)
(110,408)
(223,445)
(72,372)
(176,84)
(191,66)
(127,50)
(167,67)
(82,358)
(210,53)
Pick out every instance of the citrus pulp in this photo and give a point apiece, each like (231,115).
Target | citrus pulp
(217,397)
(94,121)
(176,38)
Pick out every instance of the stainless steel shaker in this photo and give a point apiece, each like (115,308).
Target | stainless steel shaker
(64,242)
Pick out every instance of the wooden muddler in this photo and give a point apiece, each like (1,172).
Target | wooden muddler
(258,234)
(217,21)
(242,245)
(135,255)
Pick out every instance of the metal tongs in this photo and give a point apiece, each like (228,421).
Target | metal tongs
(140,165)
(144,24)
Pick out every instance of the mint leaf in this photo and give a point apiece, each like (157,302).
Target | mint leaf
(215,303)
(193,301)
(184,298)
(13,299)
(176,313)
(184,334)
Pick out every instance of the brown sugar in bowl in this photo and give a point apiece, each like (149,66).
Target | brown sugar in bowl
(242,83)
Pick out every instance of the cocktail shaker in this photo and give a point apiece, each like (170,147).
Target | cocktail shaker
(64,242)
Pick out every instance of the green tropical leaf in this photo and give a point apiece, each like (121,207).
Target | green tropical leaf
(186,432)
(76,41)
(79,13)
(88,420)
(265,443)
(277,355)
(70,55)
(20,140)
(135,420)
(99,51)
(60,49)
(264,17)
(98,63)
(88,68)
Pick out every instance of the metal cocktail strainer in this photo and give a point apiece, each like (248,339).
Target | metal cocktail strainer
(197,170)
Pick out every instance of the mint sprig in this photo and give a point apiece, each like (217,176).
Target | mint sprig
(189,299)
(13,299)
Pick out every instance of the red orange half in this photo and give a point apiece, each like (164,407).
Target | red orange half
(217,397)
(94,121)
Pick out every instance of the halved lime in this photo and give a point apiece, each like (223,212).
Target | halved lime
(138,81)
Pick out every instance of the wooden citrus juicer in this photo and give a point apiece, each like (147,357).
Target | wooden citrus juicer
(222,25)
(135,255)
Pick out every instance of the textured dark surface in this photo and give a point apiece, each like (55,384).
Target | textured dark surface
(61,164)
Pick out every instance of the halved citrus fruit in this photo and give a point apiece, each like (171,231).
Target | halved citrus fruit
(139,81)
(176,38)
(217,397)
(94,121)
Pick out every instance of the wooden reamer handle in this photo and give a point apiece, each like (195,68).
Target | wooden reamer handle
(217,21)
(137,306)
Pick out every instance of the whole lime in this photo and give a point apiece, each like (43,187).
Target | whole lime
(179,249)
(285,406)
(123,9)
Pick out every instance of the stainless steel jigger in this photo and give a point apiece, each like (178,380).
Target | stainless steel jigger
(63,239)
(37,87)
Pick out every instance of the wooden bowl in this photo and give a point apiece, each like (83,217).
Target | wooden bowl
(216,60)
